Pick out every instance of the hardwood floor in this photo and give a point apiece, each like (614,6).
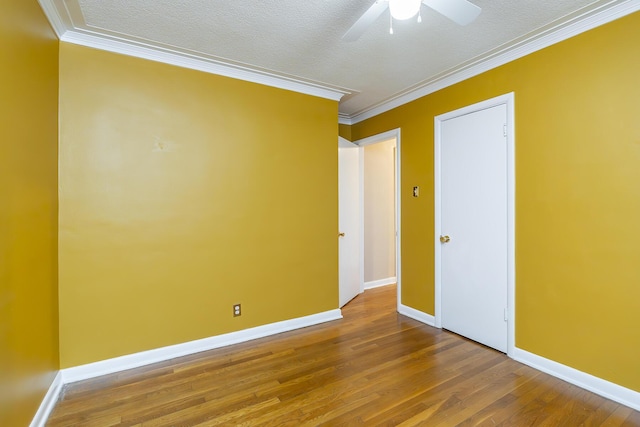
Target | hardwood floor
(374,367)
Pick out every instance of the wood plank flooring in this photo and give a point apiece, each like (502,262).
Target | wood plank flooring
(374,367)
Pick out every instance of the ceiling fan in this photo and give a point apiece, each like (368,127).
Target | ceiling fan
(461,12)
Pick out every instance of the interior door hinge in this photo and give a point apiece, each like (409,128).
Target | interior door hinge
(504,130)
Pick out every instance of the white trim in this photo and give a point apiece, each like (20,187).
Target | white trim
(509,101)
(68,22)
(379,283)
(345,143)
(143,358)
(361,208)
(604,388)
(491,60)
(69,32)
(511,223)
(381,137)
(53,16)
(48,403)
(416,315)
(344,119)
(68,15)
(201,63)
(398,220)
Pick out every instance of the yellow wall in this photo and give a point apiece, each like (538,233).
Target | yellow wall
(344,131)
(577,196)
(28,210)
(183,193)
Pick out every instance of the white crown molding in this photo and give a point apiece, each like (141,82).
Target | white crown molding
(130,361)
(425,318)
(195,62)
(48,403)
(615,392)
(344,119)
(67,30)
(55,18)
(545,39)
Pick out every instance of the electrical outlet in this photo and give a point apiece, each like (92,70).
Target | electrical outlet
(237,310)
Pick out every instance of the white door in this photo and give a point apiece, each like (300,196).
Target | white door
(474,227)
(348,220)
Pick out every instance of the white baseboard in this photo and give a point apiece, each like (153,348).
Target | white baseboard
(615,392)
(380,282)
(607,389)
(49,401)
(416,315)
(143,358)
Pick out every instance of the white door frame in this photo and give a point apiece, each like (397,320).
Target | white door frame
(507,100)
(384,136)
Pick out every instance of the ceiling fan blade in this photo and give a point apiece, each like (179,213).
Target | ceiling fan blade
(459,11)
(365,20)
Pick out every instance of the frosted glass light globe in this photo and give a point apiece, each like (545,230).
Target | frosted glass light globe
(404,9)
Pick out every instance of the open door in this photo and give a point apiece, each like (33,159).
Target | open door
(348,220)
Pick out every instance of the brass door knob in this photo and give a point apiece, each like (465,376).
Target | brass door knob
(444,239)
(341,234)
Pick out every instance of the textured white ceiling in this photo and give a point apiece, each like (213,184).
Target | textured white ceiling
(302,38)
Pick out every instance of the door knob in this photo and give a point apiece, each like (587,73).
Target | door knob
(341,234)
(444,239)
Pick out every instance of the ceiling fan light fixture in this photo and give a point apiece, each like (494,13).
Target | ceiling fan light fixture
(404,9)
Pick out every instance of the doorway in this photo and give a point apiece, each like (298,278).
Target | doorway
(379,213)
(474,211)
(380,210)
